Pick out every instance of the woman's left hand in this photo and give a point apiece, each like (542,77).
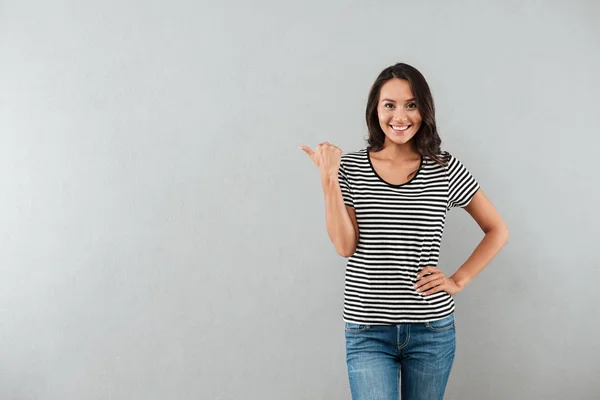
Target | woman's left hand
(436,282)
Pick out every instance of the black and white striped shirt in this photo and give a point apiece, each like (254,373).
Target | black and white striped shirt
(400,233)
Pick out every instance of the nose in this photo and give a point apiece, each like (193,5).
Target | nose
(400,115)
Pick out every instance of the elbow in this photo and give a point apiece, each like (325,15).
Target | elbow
(503,234)
(346,252)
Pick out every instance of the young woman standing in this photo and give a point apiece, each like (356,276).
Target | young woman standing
(386,207)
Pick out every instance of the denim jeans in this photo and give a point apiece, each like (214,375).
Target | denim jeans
(421,354)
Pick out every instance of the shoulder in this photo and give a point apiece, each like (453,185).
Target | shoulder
(445,156)
(354,157)
(449,159)
(442,156)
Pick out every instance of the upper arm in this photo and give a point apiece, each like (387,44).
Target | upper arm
(484,213)
(352,215)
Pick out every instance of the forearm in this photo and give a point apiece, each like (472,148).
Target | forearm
(483,254)
(339,225)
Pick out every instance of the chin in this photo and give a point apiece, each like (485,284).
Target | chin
(400,140)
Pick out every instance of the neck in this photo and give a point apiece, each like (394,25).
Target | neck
(399,151)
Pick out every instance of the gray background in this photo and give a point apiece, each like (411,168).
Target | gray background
(163,237)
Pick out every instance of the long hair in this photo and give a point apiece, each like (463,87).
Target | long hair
(427,139)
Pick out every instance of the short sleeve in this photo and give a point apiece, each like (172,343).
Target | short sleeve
(462,185)
(345,185)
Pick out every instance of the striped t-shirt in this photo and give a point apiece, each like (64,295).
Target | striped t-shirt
(400,233)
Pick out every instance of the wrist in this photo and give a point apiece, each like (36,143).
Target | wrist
(460,282)
(329,178)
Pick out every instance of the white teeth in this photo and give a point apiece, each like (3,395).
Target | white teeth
(400,128)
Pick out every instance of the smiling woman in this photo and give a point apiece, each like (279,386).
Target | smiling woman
(386,208)
(401,116)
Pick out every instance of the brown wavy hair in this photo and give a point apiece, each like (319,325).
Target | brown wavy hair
(427,139)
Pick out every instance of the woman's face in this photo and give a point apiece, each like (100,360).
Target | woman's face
(397,110)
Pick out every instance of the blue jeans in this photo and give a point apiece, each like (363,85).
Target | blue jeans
(421,354)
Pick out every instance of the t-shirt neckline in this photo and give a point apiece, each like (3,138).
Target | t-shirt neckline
(386,182)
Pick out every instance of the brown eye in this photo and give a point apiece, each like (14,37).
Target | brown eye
(388,104)
(412,105)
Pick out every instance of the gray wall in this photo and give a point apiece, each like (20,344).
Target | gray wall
(163,237)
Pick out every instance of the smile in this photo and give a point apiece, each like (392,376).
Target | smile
(398,128)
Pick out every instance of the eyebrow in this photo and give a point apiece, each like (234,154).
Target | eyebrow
(392,101)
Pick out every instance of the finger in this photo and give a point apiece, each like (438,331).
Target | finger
(324,144)
(318,153)
(438,280)
(308,150)
(430,285)
(428,278)
(314,155)
(425,271)
(422,272)
(437,289)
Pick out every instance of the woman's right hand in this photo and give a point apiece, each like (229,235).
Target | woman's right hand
(326,157)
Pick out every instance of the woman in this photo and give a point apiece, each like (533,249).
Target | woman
(385,209)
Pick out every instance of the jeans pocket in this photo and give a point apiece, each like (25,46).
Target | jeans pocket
(441,325)
(352,327)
